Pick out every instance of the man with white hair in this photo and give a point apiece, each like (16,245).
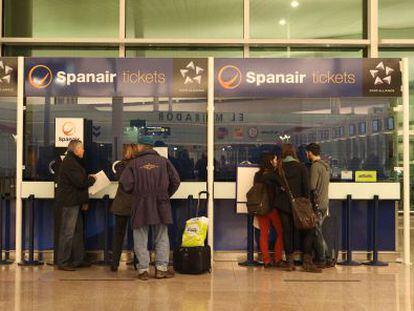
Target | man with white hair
(71,195)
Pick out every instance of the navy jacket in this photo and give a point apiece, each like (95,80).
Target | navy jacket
(152,179)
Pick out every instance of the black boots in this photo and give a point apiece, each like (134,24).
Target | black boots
(308,265)
(290,263)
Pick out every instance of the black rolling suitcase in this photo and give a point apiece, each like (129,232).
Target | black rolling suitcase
(193,260)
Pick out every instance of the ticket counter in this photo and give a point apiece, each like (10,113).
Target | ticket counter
(213,115)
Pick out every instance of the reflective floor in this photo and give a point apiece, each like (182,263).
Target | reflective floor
(229,287)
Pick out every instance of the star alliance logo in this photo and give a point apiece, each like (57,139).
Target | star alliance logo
(192,73)
(381,74)
(5,73)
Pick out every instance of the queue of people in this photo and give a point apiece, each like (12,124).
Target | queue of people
(148,180)
(287,174)
(146,183)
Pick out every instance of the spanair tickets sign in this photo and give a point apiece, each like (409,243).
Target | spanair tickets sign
(67,129)
(109,77)
(307,77)
(183,77)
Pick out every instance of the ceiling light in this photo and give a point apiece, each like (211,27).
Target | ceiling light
(282,22)
(294,4)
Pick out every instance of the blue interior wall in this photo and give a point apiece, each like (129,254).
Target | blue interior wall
(230,231)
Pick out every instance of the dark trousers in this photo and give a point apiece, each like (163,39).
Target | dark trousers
(71,249)
(308,236)
(121,223)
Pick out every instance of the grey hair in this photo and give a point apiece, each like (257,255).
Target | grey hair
(73,144)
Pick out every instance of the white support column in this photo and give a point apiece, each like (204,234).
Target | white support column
(122,27)
(1,25)
(19,159)
(210,153)
(373,28)
(406,160)
(246,28)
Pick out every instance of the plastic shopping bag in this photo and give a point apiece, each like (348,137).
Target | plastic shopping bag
(195,232)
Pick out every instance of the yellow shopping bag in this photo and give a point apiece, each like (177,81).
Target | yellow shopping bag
(195,232)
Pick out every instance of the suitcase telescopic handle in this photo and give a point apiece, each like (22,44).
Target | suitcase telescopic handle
(200,194)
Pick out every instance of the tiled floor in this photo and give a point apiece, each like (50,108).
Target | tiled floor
(229,288)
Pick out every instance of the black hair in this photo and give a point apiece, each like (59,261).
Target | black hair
(314,148)
(265,161)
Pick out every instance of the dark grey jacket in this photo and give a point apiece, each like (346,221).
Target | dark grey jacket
(72,182)
(152,179)
(122,203)
(319,183)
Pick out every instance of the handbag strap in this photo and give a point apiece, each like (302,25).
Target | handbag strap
(292,198)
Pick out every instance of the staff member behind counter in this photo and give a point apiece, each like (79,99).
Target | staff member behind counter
(72,197)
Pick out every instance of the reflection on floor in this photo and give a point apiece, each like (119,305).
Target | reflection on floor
(229,287)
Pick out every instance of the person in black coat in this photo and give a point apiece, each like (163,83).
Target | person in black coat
(121,207)
(297,177)
(71,196)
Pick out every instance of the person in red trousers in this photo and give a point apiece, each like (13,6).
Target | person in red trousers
(268,165)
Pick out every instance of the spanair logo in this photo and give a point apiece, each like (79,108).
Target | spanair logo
(229,77)
(382,74)
(68,128)
(5,73)
(40,76)
(192,73)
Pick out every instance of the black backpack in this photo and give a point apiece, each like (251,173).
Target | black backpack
(258,202)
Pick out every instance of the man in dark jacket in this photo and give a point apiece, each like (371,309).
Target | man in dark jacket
(71,195)
(152,179)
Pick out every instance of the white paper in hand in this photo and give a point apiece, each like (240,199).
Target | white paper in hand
(102,181)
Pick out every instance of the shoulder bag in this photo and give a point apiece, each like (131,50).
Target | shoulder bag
(304,217)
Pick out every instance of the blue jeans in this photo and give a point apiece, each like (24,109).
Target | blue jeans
(321,249)
(71,245)
(162,247)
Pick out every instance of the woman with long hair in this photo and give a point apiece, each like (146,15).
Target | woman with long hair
(268,164)
(121,207)
(297,177)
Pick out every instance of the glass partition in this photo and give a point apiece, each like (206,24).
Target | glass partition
(45,18)
(395,19)
(8,109)
(279,19)
(184,19)
(354,133)
(175,123)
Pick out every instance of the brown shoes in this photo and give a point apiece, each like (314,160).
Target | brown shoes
(163,274)
(144,276)
(309,266)
(66,268)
